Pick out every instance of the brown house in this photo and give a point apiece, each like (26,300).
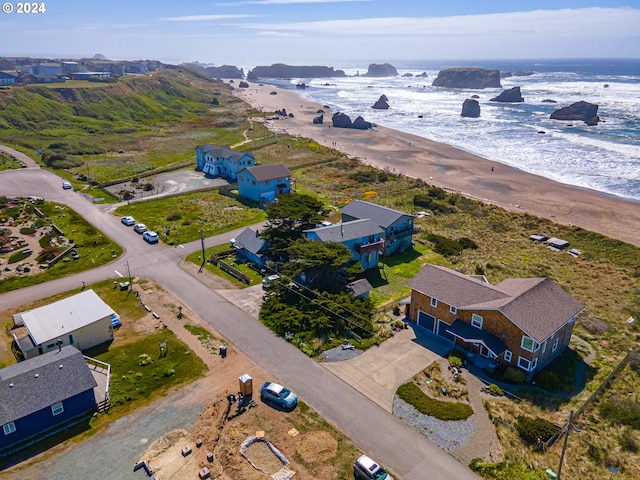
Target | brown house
(523,322)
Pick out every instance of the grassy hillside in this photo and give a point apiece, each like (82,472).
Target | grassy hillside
(121,129)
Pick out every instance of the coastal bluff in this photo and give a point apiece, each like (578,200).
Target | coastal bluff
(476,78)
(225,71)
(281,70)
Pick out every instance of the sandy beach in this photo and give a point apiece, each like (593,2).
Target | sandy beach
(451,168)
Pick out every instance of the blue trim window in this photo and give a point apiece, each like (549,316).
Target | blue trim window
(434,302)
(9,428)
(453,309)
(57,408)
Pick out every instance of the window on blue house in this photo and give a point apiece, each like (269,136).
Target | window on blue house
(9,428)
(57,408)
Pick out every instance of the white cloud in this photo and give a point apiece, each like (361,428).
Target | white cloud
(204,18)
(586,23)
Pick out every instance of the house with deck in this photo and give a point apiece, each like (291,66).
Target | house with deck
(398,226)
(42,395)
(251,248)
(520,322)
(83,320)
(222,161)
(363,238)
(263,183)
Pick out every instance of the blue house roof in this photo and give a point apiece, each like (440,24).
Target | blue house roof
(223,152)
(346,231)
(382,216)
(271,171)
(39,382)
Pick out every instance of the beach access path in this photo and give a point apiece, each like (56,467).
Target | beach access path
(449,167)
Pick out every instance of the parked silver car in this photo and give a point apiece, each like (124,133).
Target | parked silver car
(366,469)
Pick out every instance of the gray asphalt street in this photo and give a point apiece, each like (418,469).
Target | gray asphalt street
(405,451)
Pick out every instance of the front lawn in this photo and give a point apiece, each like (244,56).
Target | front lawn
(254,276)
(140,372)
(186,215)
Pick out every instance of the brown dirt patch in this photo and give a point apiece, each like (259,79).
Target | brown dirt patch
(318,447)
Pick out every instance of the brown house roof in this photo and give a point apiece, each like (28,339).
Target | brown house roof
(537,306)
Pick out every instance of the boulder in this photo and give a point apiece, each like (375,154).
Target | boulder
(520,73)
(361,124)
(506,74)
(282,112)
(471,108)
(319,120)
(302,86)
(511,95)
(273,93)
(548,100)
(408,75)
(381,70)
(243,84)
(280,70)
(475,96)
(585,111)
(468,78)
(341,120)
(423,75)
(382,103)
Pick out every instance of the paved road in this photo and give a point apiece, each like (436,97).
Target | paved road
(405,451)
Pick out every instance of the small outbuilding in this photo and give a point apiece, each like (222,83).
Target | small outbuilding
(83,320)
(557,243)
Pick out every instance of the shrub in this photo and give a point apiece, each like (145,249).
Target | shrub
(496,390)
(548,380)
(593,325)
(396,310)
(411,393)
(144,360)
(147,187)
(622,410)
(455,361)
(634,361)
(514,375)
(628,441)
(422,200)
(364,176)
(534,430)
(27,231)
(174,216)
(466,242)
(437,192)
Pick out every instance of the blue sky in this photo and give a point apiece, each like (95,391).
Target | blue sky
(327,32)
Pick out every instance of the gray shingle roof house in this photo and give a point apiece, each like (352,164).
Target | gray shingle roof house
(362,237)
(524,322)
(250,247)
(41,394)
(83,320)
(222,161)
(398,226)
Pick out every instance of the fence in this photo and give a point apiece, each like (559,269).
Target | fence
(225,267)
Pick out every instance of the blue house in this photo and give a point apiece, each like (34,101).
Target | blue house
(222,161)
(41,395)
(7,79)
(398,226)
(251,248)
(263,183)
(363,238)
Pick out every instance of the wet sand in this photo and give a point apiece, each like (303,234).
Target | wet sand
(451,168)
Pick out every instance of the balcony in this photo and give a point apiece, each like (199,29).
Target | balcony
(404,233)
(365,248)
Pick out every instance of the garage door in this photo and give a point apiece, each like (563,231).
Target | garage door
(427,321)
(442,330)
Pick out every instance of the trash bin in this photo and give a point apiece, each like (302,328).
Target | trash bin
(223,351)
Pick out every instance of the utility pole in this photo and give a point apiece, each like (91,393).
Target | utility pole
(203,257)
(129,275)
(564,445)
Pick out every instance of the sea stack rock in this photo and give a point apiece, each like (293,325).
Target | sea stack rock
(341,120)
(361,124)
(280,70)
(381,70)
(225,71)
(382,103)
(471,108)
(468,78)
(585,111)
(243,84)
(319,120)
(511,95)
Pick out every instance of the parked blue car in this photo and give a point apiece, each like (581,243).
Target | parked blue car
(278,395)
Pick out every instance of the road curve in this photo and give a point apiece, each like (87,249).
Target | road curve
(404,450)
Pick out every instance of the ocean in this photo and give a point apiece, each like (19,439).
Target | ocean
(605,157)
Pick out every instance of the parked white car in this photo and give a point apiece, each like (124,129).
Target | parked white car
(128,221)
(140,228)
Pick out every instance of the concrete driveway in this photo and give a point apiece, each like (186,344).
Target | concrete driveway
(378,372)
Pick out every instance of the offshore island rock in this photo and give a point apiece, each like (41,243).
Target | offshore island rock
(476,78)
(280,70)
(381,70)
(585,111)
(382,103)
(471,108)
(511,95)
